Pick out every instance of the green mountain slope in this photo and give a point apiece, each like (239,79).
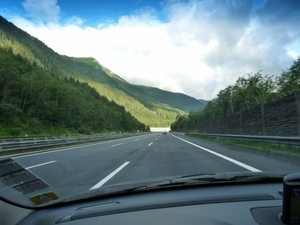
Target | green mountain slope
(35,101)
(151,106)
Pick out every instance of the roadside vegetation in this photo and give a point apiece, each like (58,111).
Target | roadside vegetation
(248,91)
(34,101)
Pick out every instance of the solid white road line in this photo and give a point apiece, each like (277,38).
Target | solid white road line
(42,164)
(150,143)
(116,145)
(222,156)
(109,176)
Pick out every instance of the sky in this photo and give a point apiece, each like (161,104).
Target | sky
(195,47)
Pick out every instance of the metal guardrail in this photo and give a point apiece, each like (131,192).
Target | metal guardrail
(10,144)
(269,139)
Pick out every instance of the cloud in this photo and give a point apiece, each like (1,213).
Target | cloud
(45,10)
(75,20)
(203,46)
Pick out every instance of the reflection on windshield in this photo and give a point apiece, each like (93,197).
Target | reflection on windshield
(15,176)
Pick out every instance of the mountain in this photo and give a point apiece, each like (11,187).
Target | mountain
(35,101)
(151,106)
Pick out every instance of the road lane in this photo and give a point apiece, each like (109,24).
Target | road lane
(78,169)
(222,156)
(169,156)
(263,160)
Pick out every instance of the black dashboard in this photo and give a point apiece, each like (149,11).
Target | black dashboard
(235,204)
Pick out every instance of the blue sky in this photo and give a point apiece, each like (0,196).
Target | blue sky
(92,11)
(191,46)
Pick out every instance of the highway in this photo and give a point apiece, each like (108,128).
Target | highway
(82,168)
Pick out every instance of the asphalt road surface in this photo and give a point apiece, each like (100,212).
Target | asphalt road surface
(155,155)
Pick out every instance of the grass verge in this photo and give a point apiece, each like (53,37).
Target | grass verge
(263,146)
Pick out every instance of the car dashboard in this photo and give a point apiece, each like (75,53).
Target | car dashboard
(218,204)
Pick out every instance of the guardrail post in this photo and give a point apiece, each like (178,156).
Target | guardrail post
(218,124)
(297,100)
(263,122)
(227,124)
(241,121)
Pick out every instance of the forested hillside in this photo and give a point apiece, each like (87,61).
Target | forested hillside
(35,101)
(150,106)
(248,91)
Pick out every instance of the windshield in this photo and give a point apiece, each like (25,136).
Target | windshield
(101,97)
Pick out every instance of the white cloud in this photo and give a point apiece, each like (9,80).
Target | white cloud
(42,10)
(75,20)
(293,54)
(204,47)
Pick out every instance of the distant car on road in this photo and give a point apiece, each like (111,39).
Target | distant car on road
(165,132)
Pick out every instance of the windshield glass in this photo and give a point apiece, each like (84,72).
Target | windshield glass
(101,97)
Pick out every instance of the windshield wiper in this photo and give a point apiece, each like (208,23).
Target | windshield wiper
(183,181)
(232,177)
(202,179)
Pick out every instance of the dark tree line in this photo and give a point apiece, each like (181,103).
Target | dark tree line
(248,91)
(36,101)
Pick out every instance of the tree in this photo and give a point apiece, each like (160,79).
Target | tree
(289,81)
(36,100)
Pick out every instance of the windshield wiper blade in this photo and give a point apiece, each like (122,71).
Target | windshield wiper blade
(199,179)
(232,177)
(202,179)
(185,181)
(210,178)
